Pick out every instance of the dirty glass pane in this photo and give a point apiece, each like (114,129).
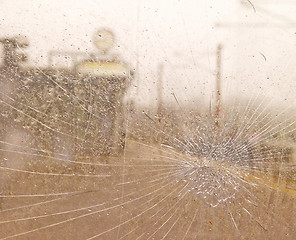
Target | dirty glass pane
(147,119)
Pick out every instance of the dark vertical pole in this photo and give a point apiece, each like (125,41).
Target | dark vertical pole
(218,86)
(159,90)
(137,76)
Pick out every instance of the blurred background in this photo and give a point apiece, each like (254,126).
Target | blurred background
(146,97)
(258,42)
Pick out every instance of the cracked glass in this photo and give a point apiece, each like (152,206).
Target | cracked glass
(147,120)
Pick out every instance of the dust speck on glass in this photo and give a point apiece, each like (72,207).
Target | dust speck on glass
(147,120)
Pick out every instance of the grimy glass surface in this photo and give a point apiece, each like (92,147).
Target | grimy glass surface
(148,119)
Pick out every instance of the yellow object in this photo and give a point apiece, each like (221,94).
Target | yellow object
(103,69)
